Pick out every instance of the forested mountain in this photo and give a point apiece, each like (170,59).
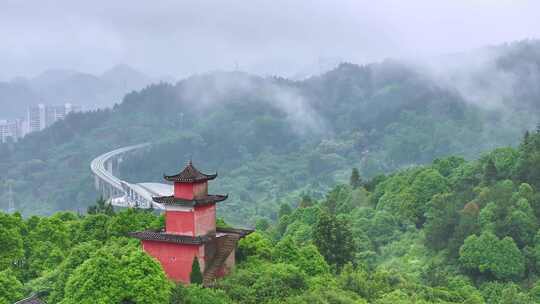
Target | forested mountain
(61,86)
(272,139)
(452,231)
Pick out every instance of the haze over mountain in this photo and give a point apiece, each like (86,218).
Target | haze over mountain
(274,137)
(61,86)
(269,37)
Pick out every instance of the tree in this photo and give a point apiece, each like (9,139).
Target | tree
(101,206)
(306,201)
(76,257)
(195,277)
(467,225)
(196,294)
(97,280)
(262,224)
(520,223)
(255,244)
(487,254)
(284,209)
(355,181)
(11,290)
(490,172)
(502,293)
(306,258)
(441,219)
(264,282)
(11,241)
(115,274)
(526,138)
(426,184)
(334,239)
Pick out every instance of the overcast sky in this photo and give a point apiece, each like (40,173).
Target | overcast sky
(282,37)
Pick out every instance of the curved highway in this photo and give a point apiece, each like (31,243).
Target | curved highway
(122,193)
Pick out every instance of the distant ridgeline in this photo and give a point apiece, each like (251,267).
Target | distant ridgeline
(273,138)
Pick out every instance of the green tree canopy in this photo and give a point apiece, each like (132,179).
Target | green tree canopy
(488,255)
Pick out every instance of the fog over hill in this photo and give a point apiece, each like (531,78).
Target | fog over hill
(271,138)
(62,86)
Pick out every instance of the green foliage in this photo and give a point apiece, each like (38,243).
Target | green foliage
(307,258)
(439,233)
(490,172)
(195,294)
(256,245)
(355,181)
(333,237)
(326,296)
(487,254)
(11,240)
(11,289)
(101,206)
(108,278)
(264,283)
(370,286)
(442,218)
(499,293)
(195,276)
(78,255)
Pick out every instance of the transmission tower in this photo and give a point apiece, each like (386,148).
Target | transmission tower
(11,202)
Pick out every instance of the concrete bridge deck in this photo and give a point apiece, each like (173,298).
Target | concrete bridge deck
(122,193)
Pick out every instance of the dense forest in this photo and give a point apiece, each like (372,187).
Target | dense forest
(453,231)
(273,139)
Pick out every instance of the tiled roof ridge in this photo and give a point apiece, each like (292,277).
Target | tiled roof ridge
(190,174)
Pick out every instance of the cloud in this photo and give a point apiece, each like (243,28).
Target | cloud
(263,37)
(207,90)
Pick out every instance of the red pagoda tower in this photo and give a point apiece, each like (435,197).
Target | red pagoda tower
(190,230)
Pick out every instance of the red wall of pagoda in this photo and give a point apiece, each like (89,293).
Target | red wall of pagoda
(180,222)
(190,190)
(200,189)
(183,190)
(176,259)
(205,219)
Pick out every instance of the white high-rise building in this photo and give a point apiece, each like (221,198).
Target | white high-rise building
(36,118)
(10,130)
(41,116)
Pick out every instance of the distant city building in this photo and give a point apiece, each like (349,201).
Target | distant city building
(11,130)
(42,116)
(37,118)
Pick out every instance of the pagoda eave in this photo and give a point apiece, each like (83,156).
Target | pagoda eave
(175,201)
(160,236)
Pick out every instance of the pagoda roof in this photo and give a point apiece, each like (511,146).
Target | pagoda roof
(204,200)
(190,174)
(161,236)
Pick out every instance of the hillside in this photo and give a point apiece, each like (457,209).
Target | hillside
(452,231)
(271,138)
